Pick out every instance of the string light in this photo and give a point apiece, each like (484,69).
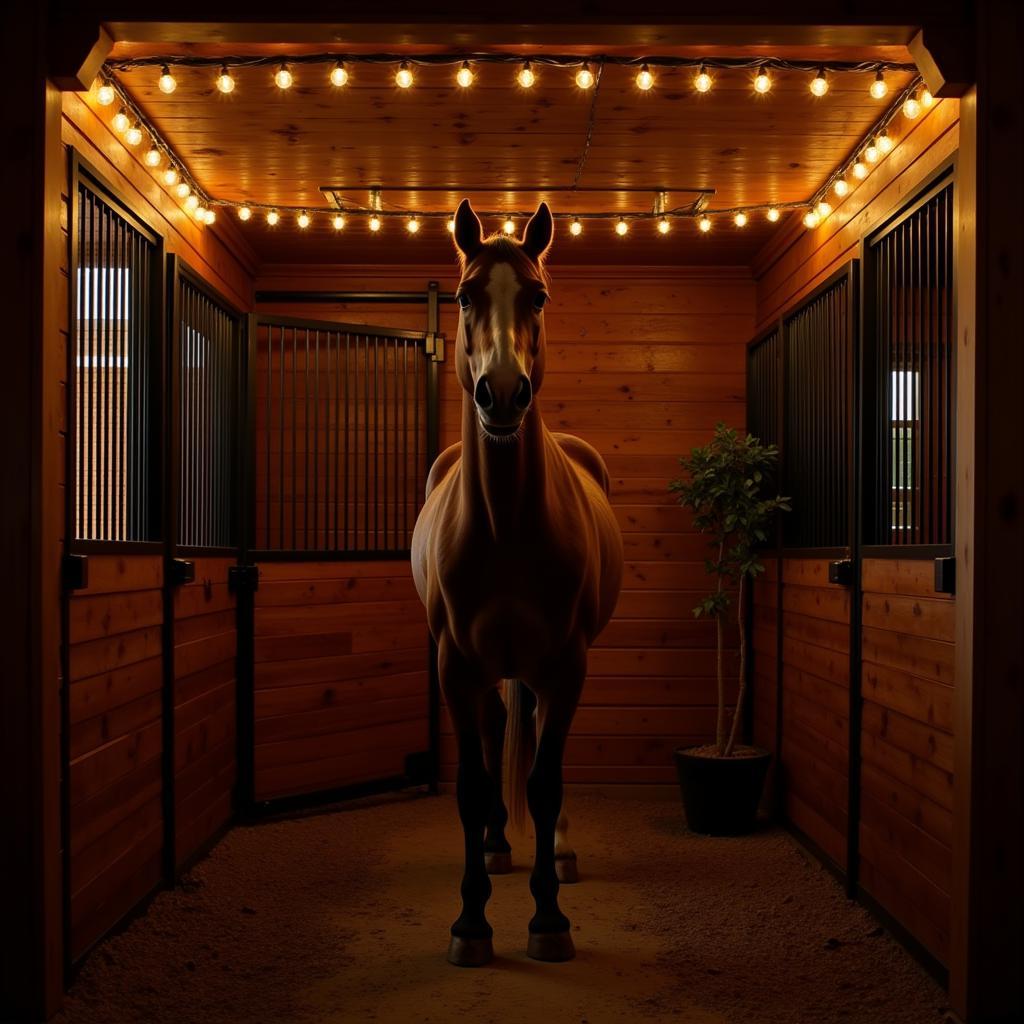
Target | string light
(704,224)
(763,82)
(879,87)
(819,83)
(644,78)
(283,79)
(885,143)
(272,218)
(702,81)
(871,152)
(576,228)
(823,209)
(198,210)
(464,76)
(841,187)
(171,176)
(927,99)
(740,220)
(339,75)
(244,213)
(338,222)
(302,220)
(772,214)
(585,77)
(450,225)
(622,227)
(403,77)
(664,225)
(105,94)
(211,215)
(192,202)
(120,122)
(167,82)
(134,135)
(225,82)
(811,219)
(526,77)
(911,107)
(182,189)
(412,225)
(152,157)
(860,169)
(375,223)
(509,226)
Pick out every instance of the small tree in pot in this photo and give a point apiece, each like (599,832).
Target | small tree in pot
(724,484)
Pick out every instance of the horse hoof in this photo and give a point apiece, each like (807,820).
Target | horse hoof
(551,947)
(566,869)
(470,952)
(499,862)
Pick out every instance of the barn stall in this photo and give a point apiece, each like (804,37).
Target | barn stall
(253,375)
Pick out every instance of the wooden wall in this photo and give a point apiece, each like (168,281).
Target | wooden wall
(642,362)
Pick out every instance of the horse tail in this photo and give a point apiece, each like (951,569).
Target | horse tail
(521,743)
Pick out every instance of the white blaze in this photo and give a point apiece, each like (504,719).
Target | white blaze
(502,288)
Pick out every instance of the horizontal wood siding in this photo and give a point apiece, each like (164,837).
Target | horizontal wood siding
(115,694)
(205,757)
(763,653)
(341,681)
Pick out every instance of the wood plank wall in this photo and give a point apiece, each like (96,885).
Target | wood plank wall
(642,362)
(906,644)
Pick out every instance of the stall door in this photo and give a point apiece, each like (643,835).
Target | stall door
(340,429)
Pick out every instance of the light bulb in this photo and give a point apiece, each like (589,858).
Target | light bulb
(772,214)
(210,216)
(622,227)
(664,225)
(403,77)
(871,152)
(526,77)
(339,75)
(412,225)
(860,169)
(134,135)
(927,99)
(105,95)
(879,88)
(704,224)
(198,211)
(337,222)
(225,82)
(464,76)
(375,223)
(182,189)
(841,187)
(585,77)
(576,228)
(283,79)
(450,225)
(763,82)
(819,83)
(811,219)
(885,143)
(120,122)
(192,202)
(167,82)
(911,107)
(702,80)
(509,226)
(644,78)
(823,209)
(273,217)
(244,213)
(152,157)
(302,220)
(171,176)
(740,220)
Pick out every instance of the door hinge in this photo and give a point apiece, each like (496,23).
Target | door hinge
(180,571)
(243,578)
(434,347)
(841,572)
(74,571)
(945,575)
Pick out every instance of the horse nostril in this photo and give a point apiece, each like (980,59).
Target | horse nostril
(524,393)
(483,396)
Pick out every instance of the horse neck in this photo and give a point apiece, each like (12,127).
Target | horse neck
(506,482)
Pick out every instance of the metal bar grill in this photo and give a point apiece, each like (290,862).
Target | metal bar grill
(763,388)
(912,280)
(340,430)
(817,339)
(115,373)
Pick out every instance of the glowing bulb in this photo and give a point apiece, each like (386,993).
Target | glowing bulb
(375,223)
(763,82)
(871,152)
(509,226)
(860,169)
(167,82)
(171,176)
(134,134)
(192,202)
(337,222)
(182,189)
(210,216)
(450,225)
(585,77)
(283,79)
(105,95)
(740,220)
(339,75)
(273,217)
(772,214)
(225,82)
(704,224)
(576,228)
(302,220)
(879,89)
(464,76)
(664,225)
(702,81)
(526,77)
(403,77)
(244,213)
(152,157)
(819,83)
(823,209)
(198,211)
(911,108)
(120,121)
(811,219)
(927,99)
(622,227)
(841,187)
(644,78)
(412,225)
(885,143)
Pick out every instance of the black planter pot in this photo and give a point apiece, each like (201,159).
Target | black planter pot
(721,794)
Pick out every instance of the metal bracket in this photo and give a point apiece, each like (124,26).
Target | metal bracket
(841,572)
(945,575)
(74,571)
(181,571)
(243,577)
(434,347)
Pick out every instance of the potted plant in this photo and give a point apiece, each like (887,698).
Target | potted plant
(724,484)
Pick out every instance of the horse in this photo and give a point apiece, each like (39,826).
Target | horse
(517,557)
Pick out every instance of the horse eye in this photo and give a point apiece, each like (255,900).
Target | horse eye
(539,301)
(464,301)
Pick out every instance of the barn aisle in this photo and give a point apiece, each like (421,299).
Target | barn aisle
(343,917)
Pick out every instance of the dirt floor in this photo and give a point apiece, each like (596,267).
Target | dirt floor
(344,916)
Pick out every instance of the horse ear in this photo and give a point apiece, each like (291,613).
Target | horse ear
(469,232)
(539,232)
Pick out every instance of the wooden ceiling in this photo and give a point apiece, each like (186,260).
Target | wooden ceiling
(264,145)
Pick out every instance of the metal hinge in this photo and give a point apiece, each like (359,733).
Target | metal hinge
(435,347)
(945,575)
(841,572)
(74,572)
(243,577)
(180,571)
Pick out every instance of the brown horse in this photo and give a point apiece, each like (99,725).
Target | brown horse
(518,558)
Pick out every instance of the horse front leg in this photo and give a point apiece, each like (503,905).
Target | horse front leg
(464,691)
(497,851)
(565,856)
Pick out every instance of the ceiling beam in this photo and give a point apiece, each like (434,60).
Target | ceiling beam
(77,52)
(945,63)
